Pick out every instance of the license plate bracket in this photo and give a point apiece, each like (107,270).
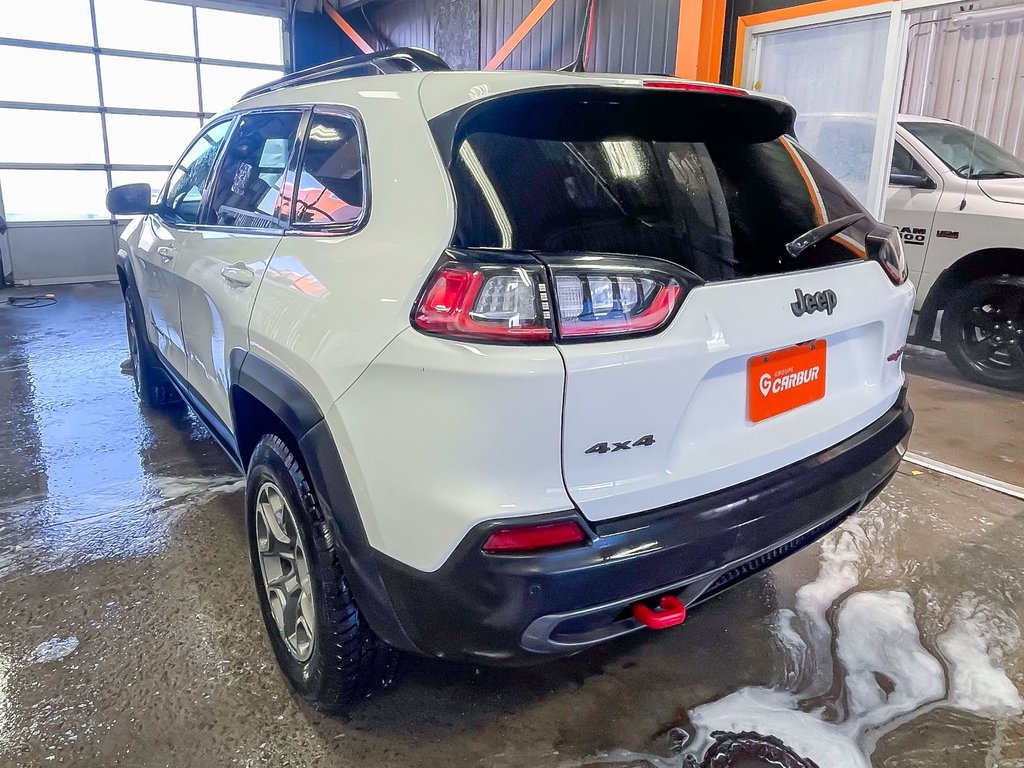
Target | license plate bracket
(785,379)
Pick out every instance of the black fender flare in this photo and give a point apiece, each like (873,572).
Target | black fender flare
(341,524)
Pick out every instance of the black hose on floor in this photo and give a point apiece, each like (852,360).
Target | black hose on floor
(31,302)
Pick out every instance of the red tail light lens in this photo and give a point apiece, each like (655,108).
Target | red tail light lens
(491,303)
(530,538)
(613,297)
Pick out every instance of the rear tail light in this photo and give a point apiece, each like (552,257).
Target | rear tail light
(509,298)
(492,303)
(885,246)
(530,538)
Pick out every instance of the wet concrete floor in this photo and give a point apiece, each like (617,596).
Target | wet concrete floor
(130,635)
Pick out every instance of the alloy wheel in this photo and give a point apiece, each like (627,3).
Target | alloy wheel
(285,571)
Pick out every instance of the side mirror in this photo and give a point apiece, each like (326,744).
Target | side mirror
(915,180)
(130,199)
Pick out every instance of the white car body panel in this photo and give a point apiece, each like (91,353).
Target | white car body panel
(688,387)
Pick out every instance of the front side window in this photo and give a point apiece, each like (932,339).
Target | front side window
(247,191)
(904,163)
(188,180)
(331,186)
(971,156)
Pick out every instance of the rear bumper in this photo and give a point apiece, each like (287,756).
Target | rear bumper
(521,609)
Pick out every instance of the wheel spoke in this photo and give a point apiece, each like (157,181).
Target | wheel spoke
(979,318)
(981,349)
(285,572)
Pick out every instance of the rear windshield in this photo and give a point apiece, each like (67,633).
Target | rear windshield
(724,208)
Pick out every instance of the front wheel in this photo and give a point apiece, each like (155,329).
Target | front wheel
(151,383)
(323,644)
(983,331)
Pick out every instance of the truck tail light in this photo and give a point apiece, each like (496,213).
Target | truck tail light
(544,297)
(530,538)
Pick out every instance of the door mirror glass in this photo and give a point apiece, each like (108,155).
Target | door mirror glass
(910,179)
(130,199)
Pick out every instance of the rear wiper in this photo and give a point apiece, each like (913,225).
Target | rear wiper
(812,237)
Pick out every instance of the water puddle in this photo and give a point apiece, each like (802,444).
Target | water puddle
(857,659)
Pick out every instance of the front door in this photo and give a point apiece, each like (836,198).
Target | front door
(163,236)
(220,270)
(911,200)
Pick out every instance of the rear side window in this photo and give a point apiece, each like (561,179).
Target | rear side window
(188,180)
(331,189)
(247,190)
(723,208)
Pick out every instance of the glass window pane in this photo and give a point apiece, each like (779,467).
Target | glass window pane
(155,179)
(144,140)
(188,179)
(53,77)
(121,24)
(331,186)
(35,136)
(247,190)
(148,84)
(223,86)
(53,21)
(54,195)
(837,125)
(239,36)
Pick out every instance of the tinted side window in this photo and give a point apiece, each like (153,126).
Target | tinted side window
(903,162)
(331,185)
(188,180)
(247,190)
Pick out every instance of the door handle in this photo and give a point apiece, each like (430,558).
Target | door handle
(238,275)
(166,252)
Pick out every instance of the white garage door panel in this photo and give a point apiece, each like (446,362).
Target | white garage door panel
(52,254)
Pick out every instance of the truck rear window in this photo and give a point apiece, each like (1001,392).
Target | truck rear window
(712,201)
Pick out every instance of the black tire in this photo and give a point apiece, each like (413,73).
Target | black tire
(346,661)
(151,383)
(983,331)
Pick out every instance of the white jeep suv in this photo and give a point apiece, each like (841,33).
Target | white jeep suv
(514,362)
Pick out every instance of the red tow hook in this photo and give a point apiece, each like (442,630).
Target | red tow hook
(669,613)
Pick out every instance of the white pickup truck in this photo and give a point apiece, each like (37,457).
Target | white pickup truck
(958,201)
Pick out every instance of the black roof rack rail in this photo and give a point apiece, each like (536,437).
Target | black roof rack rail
(389,61)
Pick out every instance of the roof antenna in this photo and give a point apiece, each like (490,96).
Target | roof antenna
(970,172)
(579,64)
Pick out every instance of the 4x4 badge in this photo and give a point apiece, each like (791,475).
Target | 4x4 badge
(806,303)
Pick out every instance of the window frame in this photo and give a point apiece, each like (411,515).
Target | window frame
(236,117)
(332,230)
(161,201)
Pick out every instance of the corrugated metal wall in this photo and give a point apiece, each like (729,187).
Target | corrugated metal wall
(629,36)
(973,75)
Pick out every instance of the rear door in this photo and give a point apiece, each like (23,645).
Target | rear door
(221,267)
(746,358)
(163,234)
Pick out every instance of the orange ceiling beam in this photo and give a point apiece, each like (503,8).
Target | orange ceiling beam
(534,16)
(347,28)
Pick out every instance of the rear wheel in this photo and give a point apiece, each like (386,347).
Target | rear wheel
(983,331)
(151,383)
(323,644)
